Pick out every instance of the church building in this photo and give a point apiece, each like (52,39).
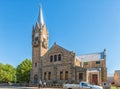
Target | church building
(58,65)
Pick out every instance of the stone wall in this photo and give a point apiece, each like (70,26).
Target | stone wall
(55,67)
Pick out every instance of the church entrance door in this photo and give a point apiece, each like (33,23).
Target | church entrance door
(95,79)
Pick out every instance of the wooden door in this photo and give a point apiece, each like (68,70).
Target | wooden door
(95,79)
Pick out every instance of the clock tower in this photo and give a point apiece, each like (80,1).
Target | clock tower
(39,46)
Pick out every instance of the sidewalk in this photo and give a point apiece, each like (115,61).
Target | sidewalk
(14,87)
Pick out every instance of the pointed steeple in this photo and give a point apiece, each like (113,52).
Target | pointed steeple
(40,17)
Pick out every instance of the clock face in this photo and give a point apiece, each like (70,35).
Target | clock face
(36,40)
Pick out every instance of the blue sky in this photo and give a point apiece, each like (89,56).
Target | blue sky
(84,26)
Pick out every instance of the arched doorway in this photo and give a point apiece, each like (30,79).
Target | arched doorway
(35,79)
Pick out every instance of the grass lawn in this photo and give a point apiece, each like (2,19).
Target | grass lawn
(115,87)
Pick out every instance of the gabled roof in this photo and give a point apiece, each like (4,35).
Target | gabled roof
(56,47)
(59,47)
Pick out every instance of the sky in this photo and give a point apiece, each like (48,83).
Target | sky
(82,26)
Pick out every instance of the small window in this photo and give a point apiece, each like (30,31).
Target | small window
(80,76)
(97,62)
(85,63)
(35,64)
(55,58)
(49,75)
(51,58)
(59,57)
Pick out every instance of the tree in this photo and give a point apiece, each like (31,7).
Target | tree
(23,71)
(7,73)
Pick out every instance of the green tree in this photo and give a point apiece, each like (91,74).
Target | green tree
(7,73)
(23,71)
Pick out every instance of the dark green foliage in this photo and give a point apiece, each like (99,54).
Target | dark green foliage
(7,73)
(23,71)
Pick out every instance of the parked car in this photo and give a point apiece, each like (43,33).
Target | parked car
(81,85)
(106,85)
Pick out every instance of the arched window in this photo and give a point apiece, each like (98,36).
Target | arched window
(45,75)
(55,58)
(51,58)
(49,75)
(61,75)
(66,75)
(59,57)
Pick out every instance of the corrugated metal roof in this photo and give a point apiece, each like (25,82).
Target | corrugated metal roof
(91,57)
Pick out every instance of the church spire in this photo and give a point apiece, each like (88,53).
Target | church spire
(40,17)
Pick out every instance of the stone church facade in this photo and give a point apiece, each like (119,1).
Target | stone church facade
(58,65)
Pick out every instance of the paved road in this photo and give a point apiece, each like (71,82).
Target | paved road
(13,87)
